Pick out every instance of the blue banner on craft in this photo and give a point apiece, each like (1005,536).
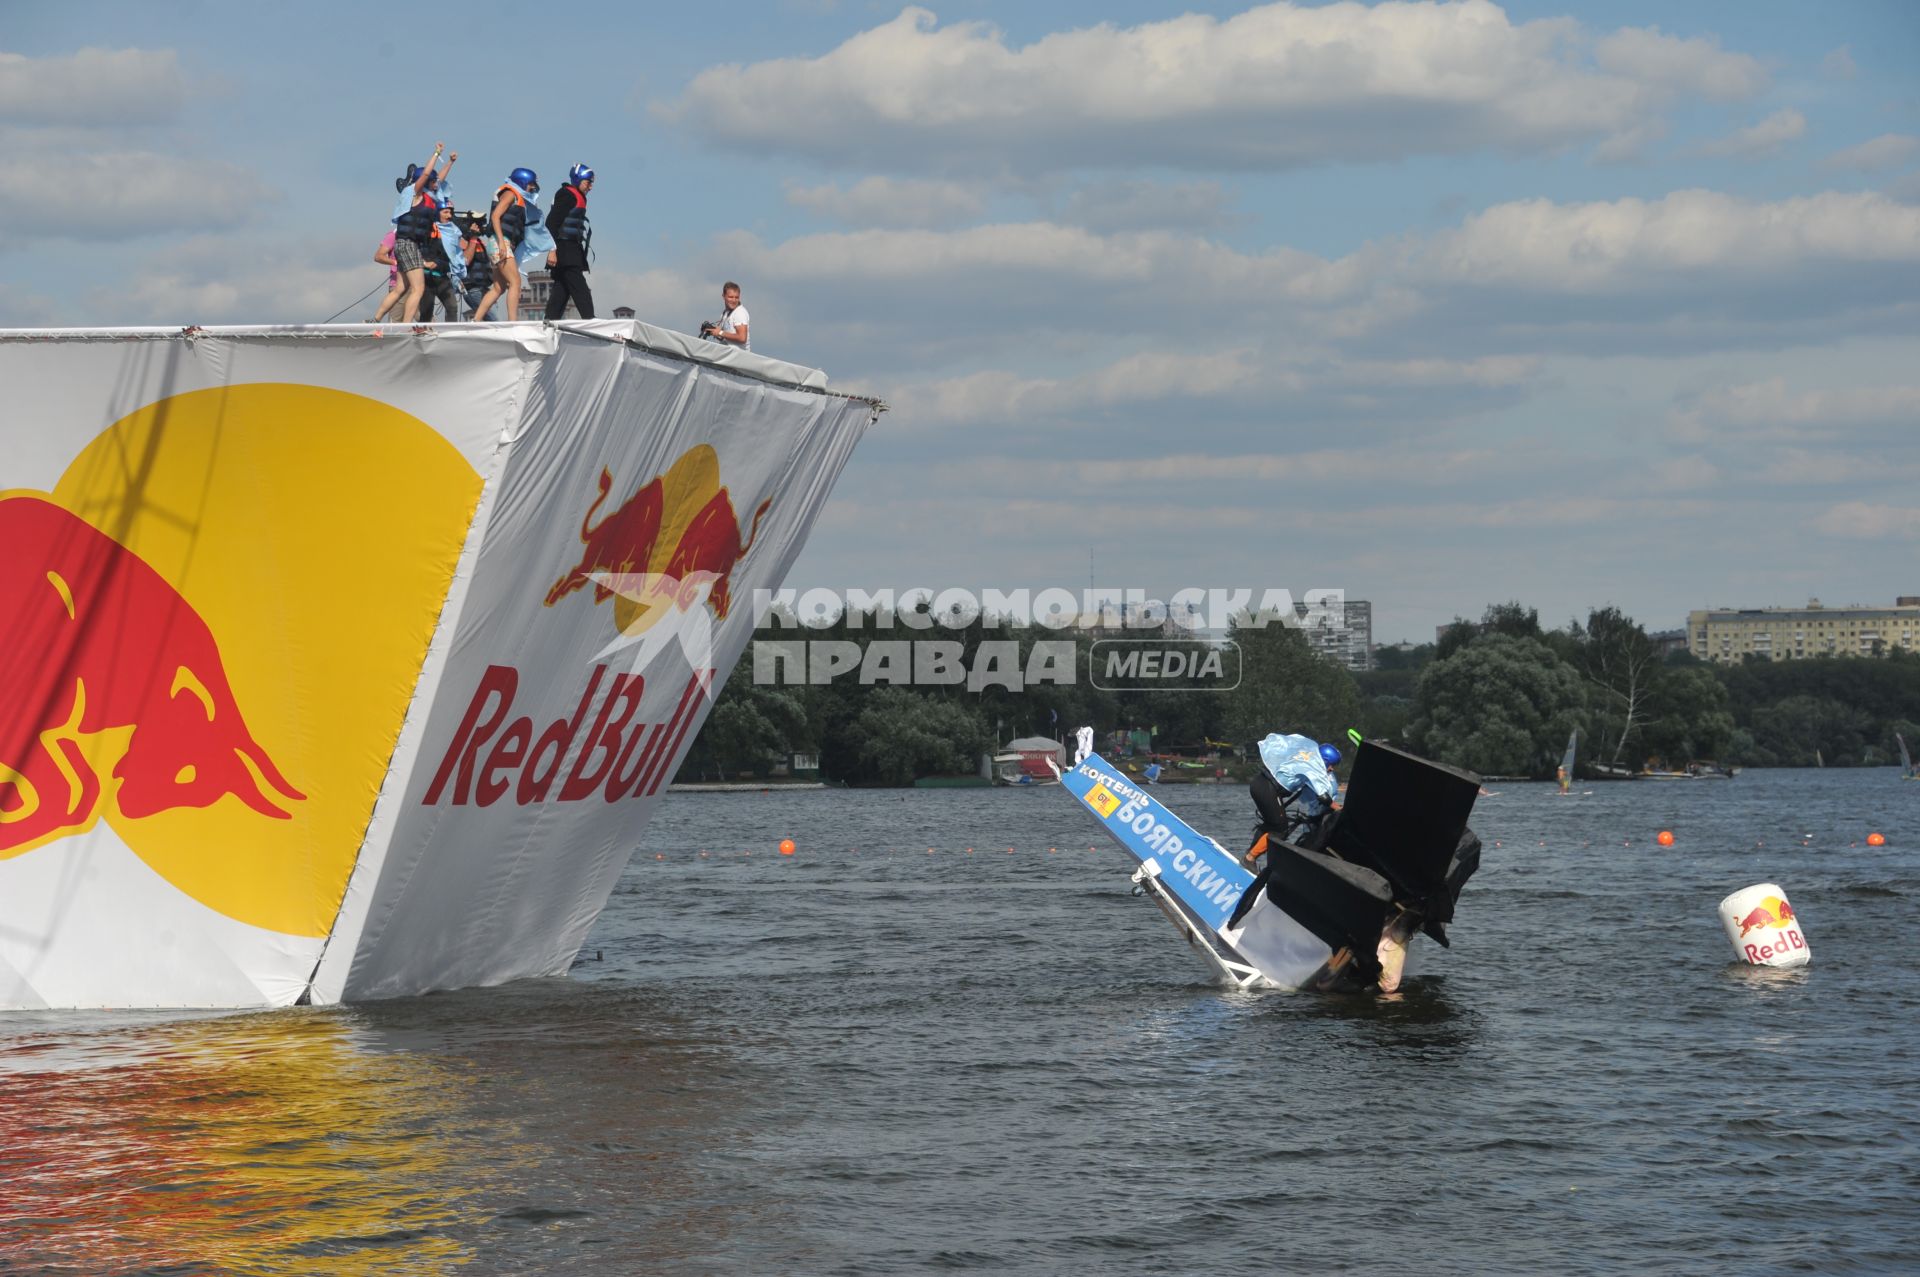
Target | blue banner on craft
(1207,880)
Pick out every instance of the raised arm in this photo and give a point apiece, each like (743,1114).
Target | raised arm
(426,173)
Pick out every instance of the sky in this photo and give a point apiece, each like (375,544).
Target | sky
(1440,305)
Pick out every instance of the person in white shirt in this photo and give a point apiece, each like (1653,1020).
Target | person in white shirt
(732,327)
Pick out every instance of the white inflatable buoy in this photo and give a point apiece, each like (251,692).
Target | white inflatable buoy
(1763,927)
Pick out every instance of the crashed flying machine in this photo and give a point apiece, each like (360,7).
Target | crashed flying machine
(1329,896)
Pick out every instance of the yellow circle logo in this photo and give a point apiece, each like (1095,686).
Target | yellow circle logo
(226,600)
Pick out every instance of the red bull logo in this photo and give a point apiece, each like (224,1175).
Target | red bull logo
(679,529)
(212,623)
(1771,912)
(1775,930)
(103,650)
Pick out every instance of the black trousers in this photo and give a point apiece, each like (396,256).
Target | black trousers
(442,291)
(569,281)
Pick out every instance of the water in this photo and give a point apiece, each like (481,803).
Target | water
(868,1059)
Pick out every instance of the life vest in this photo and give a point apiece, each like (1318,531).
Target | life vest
(573,226)
(513,222)
(480,269)
(417,223)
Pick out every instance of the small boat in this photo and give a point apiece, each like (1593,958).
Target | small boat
(1032,760)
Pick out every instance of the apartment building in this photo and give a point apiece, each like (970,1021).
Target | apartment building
(1784,634)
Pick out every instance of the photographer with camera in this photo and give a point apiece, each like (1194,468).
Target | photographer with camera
(732,327)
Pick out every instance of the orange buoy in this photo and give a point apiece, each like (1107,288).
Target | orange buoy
(786,846)
(1665,838)
(1876,840)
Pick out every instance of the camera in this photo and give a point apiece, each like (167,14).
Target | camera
(710,330)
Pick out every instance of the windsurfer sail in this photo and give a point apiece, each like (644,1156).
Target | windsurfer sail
(1565,774)
(1907,771)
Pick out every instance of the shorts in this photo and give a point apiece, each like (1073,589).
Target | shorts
(406,255)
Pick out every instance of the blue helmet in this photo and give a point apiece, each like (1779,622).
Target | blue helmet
(1330,755)
(526,179)
(579,173)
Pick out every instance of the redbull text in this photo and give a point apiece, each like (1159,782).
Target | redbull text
(492,758)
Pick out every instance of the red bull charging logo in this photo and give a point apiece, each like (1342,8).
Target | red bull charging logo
(1771,912)
(116,649)
(213,622)
(679,530)
(670,546)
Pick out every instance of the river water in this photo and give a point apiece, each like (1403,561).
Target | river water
(872,1058)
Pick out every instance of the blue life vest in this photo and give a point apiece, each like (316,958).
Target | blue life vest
(513,222)
(573,226)
(480,270)
(417,223)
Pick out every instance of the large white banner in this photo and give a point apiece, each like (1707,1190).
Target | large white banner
(340,662)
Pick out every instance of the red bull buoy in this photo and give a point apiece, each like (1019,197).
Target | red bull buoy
(1763,927)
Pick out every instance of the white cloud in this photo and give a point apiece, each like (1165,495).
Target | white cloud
(1626,245)
(1648,57)
(1694,269)
(1867,521)
(120,87)
(1315,388)
(20,308)
(1801,467)
(65,123)
(1683,474)
(247,278)
(1763,138)
(1140,203)
(1889,150)
(1773,410)
(111,195)
(894,202)
(1326,465)
(1006,321)
(1275,87)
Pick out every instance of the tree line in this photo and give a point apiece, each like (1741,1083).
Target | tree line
(1499,695)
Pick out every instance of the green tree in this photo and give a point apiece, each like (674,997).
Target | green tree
(1689,719)
(1414,658)
(904,736)
(1619,661)
(1285,686)
(1798,726)
(1501,706)
(750,729)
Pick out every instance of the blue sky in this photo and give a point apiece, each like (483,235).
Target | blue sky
(1438,304)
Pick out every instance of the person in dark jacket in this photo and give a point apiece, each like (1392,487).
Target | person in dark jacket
(473,247)
(438,273)
(572,235)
